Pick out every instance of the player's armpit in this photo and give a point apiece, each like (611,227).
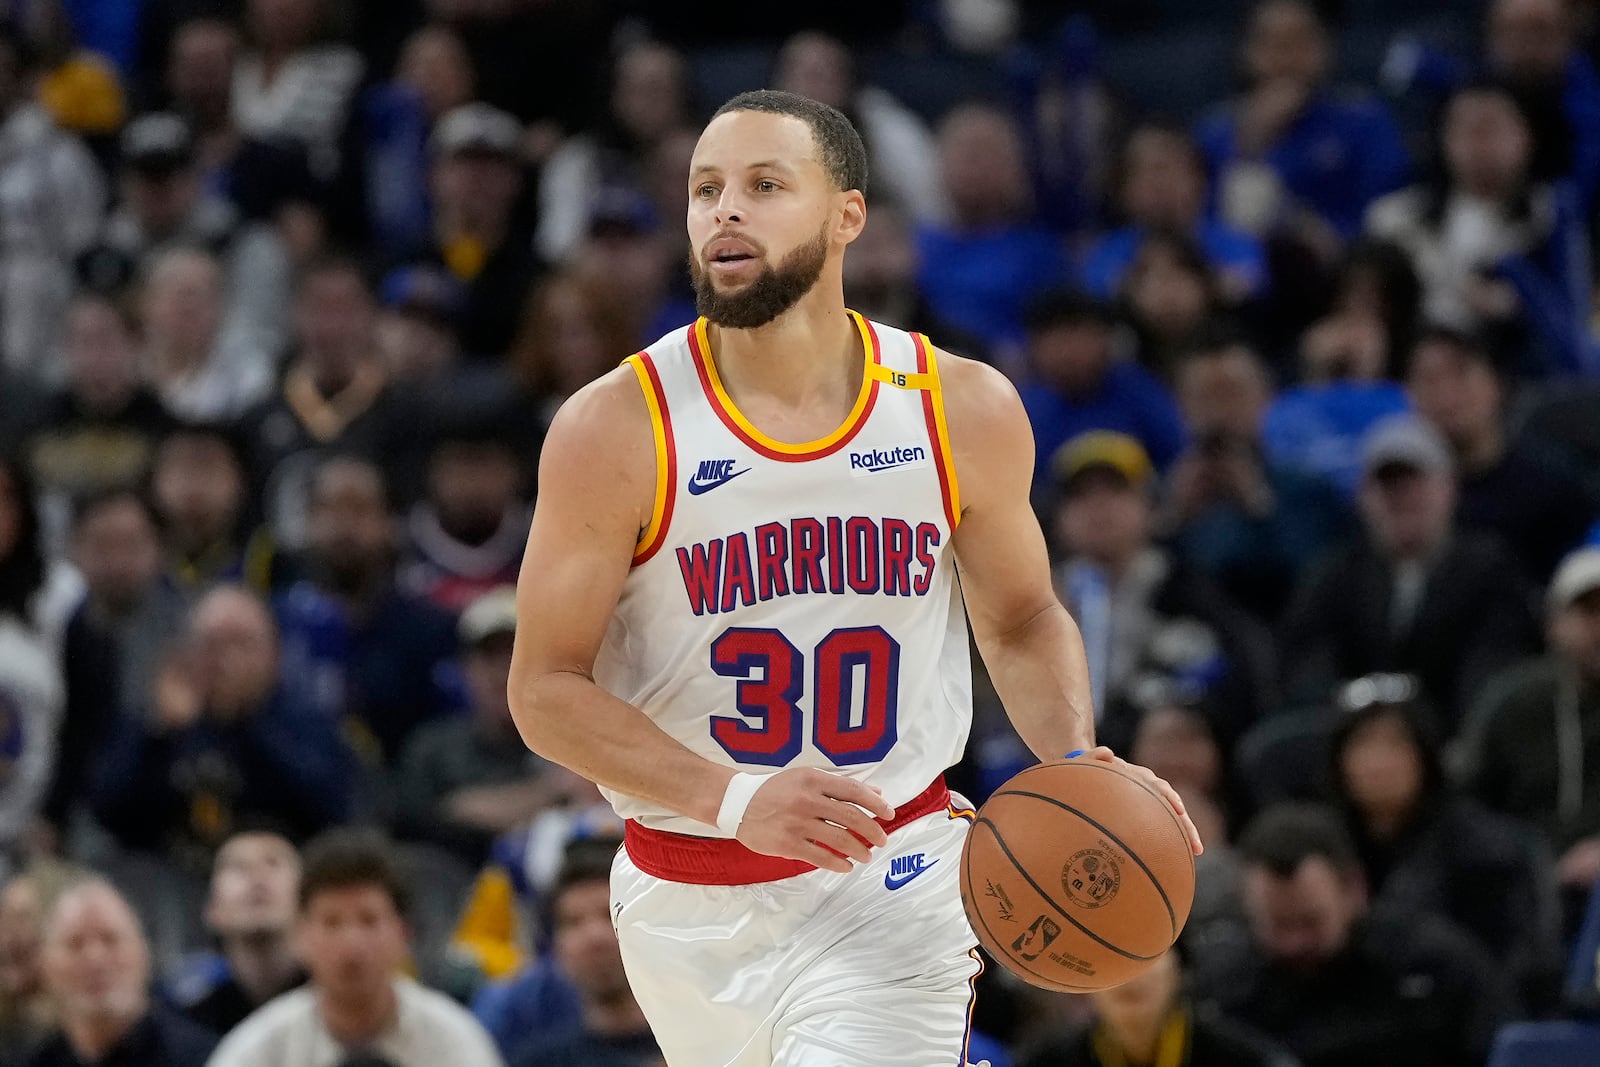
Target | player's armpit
(596,493)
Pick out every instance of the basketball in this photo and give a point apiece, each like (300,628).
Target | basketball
(1076,876)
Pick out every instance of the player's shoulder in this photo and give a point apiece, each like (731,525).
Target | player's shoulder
(979,399)
(607,419)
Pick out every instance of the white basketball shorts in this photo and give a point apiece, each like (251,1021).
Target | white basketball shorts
(873,968)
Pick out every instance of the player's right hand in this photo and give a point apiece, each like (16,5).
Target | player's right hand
(811,815)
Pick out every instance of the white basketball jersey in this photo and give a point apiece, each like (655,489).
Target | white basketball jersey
(796,605)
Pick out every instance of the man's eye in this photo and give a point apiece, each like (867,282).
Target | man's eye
(766,186)
(705,190)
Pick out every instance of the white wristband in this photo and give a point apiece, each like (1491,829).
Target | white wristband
(741,788)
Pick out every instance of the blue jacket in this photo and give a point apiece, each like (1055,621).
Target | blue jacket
(1231,253)
(1338,157)
(1131,400)
(283,762)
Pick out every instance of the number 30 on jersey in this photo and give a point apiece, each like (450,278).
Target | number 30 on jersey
(771,673)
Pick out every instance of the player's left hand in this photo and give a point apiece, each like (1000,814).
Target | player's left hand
(1148,777)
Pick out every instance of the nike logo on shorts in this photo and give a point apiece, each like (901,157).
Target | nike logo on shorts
(903,869)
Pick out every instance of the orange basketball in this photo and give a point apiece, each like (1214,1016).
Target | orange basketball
(1076,876)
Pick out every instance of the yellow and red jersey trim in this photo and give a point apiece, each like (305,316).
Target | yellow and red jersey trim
(666,457)
(938,429)
(705,365)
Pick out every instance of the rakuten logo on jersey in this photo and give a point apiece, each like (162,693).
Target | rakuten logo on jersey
(886,459)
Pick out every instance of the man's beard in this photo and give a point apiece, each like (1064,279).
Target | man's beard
(774,291)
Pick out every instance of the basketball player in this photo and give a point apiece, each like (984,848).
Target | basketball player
(739,615)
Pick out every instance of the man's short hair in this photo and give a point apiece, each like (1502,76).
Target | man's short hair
(841,151)
(353,858)
(1284,836)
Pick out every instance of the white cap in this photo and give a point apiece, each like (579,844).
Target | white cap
(494,612)
(1578,575)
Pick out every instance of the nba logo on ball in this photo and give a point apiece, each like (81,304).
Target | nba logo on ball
(1036,938)
(1091,878)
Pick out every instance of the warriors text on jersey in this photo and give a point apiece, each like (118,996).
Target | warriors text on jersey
(796,605)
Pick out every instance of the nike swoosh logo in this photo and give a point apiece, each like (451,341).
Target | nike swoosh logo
(890,882)
(696,487)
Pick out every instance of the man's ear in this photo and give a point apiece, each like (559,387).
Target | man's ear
(852,215)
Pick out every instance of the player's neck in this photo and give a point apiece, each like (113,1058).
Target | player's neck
(811,352)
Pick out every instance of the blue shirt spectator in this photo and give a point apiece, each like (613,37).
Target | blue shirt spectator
(223,742)
(1163,187)
(1317,429)
(1290,143)
(1077,384)
(979,272)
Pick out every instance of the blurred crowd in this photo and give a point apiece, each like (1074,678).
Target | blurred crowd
(1300,299)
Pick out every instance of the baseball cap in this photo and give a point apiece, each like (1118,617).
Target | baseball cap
(622,211)
(423,288)
(1578,576)
(477,128)
(1405,441)
(494,612)
(159,142)
(1101,450)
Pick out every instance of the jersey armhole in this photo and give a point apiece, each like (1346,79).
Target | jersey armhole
(938,429)
(666,457)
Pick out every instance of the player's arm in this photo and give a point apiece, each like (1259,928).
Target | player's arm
(596,493)
(1029,642)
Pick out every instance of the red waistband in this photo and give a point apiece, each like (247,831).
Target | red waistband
(724,861)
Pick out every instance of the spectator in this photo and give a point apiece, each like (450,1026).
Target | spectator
(880,282)
(415,329)
(466,537)
(1340,985)
(27,1011)
(165,204)
(1532,48)
(30,681)
(901,154)
(1149,1020)
(1290,155)
(433,77)
(1170,297)
(353,935)
(570,336)
(1148,621)
(251,914)
(223,742)
(611,1030)
(128,621)
(101,428)
(200,371)
(258,174)
(1346,359)
(1536,730)
(53,209)
(1426,849)
(97,966)
(649,101)
(291,84)
(36,588)
(1249,524)
(1410,593)
(371,657)
(1537,506)
(1495,250)
(979,270)
(334,397)
(1162,187)
(198,489)
(476,178)
(630,261)
(464,781)
(1077,383)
